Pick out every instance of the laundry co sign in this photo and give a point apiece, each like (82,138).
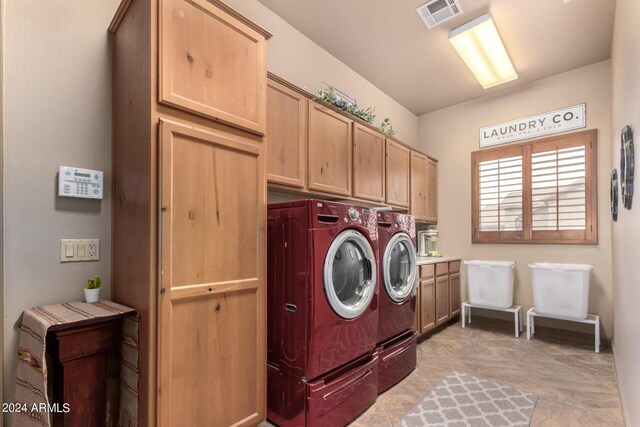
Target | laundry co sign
(531,127)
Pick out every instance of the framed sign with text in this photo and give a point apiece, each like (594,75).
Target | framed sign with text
(548,123)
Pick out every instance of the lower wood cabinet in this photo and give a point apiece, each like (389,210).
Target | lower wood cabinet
(438,295)
(455,298)
(427,314)
(442,300)
(208,287)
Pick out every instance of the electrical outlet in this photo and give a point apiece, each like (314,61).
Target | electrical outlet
(74,250)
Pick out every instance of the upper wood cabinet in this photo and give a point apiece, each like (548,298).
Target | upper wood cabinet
(397,174)
(419,189)
(432,191)
(212,63)
(286,135)
(424,188)
(330,150)
(368,164)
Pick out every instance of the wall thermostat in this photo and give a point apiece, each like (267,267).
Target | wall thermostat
(78,182)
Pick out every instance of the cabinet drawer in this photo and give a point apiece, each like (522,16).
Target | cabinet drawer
(76,343)
(426,271)
(454,267)
(442,268)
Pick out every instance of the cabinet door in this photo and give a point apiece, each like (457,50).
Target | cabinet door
(416,322)
(212,63)
(442,299)
(286,135)
(397,173)
(330,150)
(368,164)
(454,294)
(419,184)
(427,305)
(432,191)
(212,357)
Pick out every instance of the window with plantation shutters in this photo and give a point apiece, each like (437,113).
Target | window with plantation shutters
(542,191)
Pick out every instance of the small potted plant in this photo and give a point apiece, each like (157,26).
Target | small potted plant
(92,291)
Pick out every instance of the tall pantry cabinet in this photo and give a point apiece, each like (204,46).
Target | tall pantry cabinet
(189,205)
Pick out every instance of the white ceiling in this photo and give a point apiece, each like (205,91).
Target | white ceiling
(386,42)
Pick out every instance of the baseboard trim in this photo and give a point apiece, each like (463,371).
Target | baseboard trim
(623,406)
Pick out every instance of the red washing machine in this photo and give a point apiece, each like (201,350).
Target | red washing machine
(398,277)
(322,312)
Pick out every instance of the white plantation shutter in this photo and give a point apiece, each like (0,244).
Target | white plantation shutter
(558,189)
(501,194)
(542,191)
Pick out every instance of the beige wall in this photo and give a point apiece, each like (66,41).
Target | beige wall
(57,111)
(451,134)
(625,60)
(1,201)
(297,59)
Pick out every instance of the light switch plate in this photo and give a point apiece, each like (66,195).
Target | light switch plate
(74,250)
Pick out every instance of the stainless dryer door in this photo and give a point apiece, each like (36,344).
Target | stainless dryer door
(350,274)
(399,267)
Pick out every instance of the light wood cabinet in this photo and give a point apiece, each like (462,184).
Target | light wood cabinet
(419,182)
(330,150)
(442,299)
(454,293)
(211,332)
(368,164)
(212,63)
(424,188)
(432,191)
(427,305)
(287,133)
(189,102)
(316,148)
(438,295)
(397,174)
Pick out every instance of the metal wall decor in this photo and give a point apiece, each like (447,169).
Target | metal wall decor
(614,194)
(627,166)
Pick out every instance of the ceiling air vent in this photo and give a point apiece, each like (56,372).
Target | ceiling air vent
(435,12)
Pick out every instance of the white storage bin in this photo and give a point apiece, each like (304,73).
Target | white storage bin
(561,290)
(490,283)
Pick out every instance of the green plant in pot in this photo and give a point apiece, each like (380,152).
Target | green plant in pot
(92,290)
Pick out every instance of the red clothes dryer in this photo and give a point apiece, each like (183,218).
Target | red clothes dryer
(322,312)
(398,277)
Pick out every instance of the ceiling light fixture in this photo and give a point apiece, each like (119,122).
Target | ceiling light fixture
(480,47)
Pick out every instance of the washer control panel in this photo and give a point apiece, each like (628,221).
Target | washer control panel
(353,214)
(82,183)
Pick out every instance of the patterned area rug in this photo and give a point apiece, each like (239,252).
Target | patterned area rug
(462,400)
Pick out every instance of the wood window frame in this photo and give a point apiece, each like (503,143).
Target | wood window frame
(527,236)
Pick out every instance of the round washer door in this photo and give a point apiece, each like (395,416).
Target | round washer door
(350,274)
(399,267)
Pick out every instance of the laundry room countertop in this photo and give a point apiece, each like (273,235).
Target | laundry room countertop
(422,260)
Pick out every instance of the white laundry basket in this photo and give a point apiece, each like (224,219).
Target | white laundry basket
(490,283)
(561,290)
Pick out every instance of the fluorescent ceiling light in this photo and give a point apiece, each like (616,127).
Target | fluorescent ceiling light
(480,47)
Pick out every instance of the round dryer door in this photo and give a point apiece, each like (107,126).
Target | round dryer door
(350,274)
(399,267)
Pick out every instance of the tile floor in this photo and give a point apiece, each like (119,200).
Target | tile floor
(575,386)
